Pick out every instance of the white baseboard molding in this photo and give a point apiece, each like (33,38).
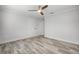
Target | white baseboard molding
(63,40)
(21,38)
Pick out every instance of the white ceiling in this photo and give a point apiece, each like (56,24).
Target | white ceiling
(22,7)
(25,8)
(60,7)
(35,7)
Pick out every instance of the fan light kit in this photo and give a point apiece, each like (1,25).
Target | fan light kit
(40,9)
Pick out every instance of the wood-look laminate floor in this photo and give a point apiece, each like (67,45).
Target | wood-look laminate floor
(38,45)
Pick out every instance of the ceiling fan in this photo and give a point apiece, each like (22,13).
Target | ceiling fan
(40,9)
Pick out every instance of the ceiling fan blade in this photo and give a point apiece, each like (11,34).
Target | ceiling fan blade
(51,12)
(32,10)
(41,13)
(44,7)
(39,7)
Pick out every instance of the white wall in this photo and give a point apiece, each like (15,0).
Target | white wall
(63,25)
(19,24)
(16,23)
